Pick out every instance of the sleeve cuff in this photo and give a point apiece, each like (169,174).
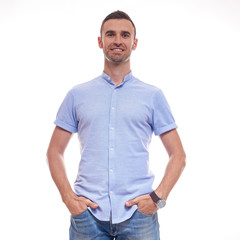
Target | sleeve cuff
(65,126)
(165,129)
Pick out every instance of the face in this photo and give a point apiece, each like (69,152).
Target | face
(117,40)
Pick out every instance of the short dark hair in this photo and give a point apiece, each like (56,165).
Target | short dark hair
(118,15)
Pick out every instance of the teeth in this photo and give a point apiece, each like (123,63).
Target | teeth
(117,49)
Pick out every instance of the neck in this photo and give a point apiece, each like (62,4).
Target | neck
(117,71)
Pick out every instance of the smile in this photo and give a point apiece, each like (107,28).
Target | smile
(117,49)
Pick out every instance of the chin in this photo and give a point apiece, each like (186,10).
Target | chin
(117,60)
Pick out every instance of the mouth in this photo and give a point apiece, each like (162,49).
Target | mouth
(117,49)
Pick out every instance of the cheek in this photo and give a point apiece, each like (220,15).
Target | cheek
(130,45)
(105,44)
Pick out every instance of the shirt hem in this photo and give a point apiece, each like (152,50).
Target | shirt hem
(115,221)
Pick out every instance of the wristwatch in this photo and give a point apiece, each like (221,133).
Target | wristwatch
(160,203)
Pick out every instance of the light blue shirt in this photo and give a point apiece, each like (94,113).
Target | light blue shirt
(115,126)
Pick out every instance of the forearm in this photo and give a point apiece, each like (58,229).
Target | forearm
(173,171)
(58,173)
(74,203)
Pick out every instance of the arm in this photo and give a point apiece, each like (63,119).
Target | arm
(175,166)
(55,157)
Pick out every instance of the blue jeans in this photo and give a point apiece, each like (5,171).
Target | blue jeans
(140,226)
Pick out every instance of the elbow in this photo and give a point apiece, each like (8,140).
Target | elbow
(48,156)
(53,155)
(180,159)
(183,159)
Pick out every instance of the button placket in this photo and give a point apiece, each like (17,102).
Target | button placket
(112,127)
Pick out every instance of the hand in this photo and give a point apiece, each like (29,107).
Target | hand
(144,203)
(77,205)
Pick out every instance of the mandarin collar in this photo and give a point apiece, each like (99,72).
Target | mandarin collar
(109,79)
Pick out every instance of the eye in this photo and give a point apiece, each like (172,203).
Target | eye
(110,35)
(125,35)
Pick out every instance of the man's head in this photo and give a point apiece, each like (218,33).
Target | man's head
(118,15)
(118,37)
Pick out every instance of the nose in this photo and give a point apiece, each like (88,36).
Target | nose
(117,39)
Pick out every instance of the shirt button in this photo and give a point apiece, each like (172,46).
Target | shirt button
(111,170)
(113,108)
(112,128)
(109,78)
(111,149)
(111,192)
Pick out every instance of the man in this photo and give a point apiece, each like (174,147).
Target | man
(115,115)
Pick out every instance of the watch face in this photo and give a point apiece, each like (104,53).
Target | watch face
(161,203)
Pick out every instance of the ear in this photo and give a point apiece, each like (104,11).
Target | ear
(135,42)
(100,43)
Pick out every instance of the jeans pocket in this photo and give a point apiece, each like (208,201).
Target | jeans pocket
(79,214)
(82,224)
(145,214)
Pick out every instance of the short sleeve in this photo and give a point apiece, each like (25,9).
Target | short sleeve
(162,118)
(66,115)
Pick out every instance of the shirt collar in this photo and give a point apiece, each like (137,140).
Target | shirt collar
(109,79)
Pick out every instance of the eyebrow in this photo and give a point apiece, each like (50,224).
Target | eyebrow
(122,32)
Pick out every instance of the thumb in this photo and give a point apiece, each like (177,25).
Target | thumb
(92,204)
(131,202)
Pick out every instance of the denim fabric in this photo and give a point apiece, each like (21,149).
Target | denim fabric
(140,226)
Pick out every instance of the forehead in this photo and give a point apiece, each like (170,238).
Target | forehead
(118,25)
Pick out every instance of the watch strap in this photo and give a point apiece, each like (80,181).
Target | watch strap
(154,197)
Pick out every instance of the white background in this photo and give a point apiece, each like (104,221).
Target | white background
(189,49)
